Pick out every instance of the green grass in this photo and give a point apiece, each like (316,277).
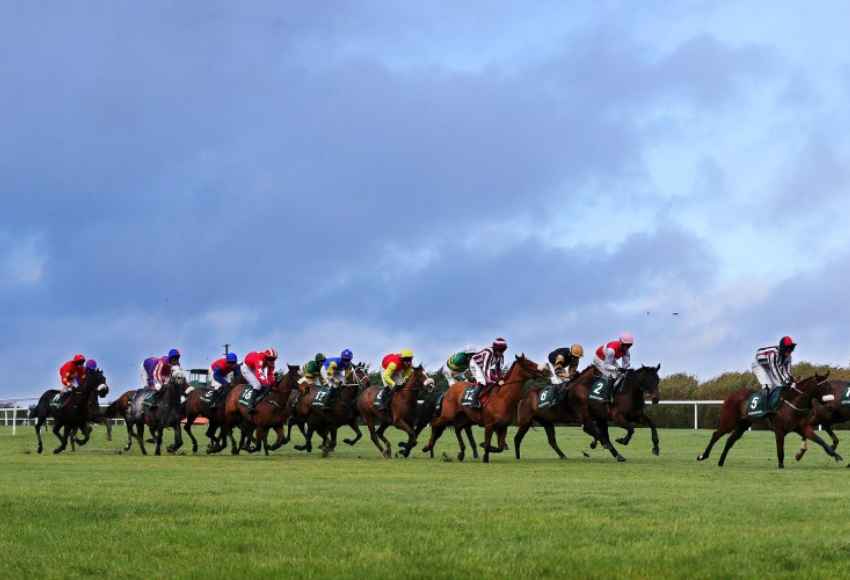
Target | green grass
(97,513)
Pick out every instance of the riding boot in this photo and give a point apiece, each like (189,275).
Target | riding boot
(385,398)
(330,396)
(476,394)
(765,395)
(254,395)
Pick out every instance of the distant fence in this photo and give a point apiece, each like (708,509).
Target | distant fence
(672,414)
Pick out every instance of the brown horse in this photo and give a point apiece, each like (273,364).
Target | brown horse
(401,413)
(326,422)
(794,416)
(270,413)
(118,409)
(198,405)
(573,408)
(496,414)
(828,413)
(630,404)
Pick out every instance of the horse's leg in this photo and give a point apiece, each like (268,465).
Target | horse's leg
(39,423)
(280,432)
(468,429)
(260,433)
(656,449)
(621,421)
(357,433)
(809,433)
(411,437)
(130,435)
(715,437)
(804,446)
(140,435)
(520,435)
(831,433)
(57,428)
(553,442)
(780,447)
(308,438)
(502,433)
(86,429)
(730,441)
(108,423)
(602,426)
(388,447)
(157,436)
(488,436)
(459,434)
(178,438)
(189,420)
(437,428)
(373,434)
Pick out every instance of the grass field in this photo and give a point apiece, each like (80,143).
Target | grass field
(101,514)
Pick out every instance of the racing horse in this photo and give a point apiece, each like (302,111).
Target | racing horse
(496,413)
(829,412)
(400,414)
(75,412)
(630,404)
(326,422)
(198,404)
(793,416)
(166,412)
(271,412)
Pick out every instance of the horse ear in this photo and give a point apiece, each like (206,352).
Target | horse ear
(658,368)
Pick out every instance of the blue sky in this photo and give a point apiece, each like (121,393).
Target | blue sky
(377,176)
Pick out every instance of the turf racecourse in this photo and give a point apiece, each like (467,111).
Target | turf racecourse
(101,514)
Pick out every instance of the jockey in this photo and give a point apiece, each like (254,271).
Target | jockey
(563,362)
(609,354)
(224,370)
(487,368)
(258,370)
(156,371)
(71,374)
(312,372)
(333,372)
(772,367)
(397,367)
(457,365)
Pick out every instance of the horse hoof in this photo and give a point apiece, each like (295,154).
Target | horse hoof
(559,457)
(622,441)
(348,441)
(593,445)
(656,451)
(586,454)
(838,458)
(461,457)
(700,457)
(620,459)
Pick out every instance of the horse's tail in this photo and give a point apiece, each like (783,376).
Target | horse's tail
(112,409)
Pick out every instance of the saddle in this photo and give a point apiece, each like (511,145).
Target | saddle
(604,389)
(756,407)
(383,399)
(247,396)
(149,398)
(552,395)
(322,397)
(58,401)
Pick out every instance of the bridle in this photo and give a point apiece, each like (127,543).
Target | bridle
(797,409)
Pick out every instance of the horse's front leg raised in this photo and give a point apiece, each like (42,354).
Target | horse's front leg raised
(809,433)
(62,435)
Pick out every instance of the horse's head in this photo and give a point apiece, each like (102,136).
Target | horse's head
(96,382)
(524,368)
(647,381)
(418,379)
(360,372)
(819,387)
(289,379)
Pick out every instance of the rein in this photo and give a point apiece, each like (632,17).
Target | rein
(801,410)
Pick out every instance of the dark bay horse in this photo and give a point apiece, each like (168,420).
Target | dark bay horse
(794,416)
(401,413)
(197,405)
(326,422)
(573,408)
(828,413)
(271,412)
(630,404)
(496,414)
(75,412)
(166,413)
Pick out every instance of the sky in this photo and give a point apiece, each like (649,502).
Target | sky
(378,176)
